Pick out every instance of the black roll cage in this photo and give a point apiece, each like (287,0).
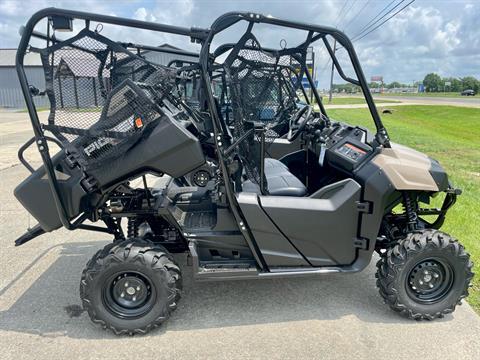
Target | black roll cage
(315,33)
(197,35)
(203,37)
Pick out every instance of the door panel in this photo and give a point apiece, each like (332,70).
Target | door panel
(322,227)
(275,248)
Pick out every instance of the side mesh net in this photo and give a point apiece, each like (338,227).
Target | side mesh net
(103,98)
(263,93)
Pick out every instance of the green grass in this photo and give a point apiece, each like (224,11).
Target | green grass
(352,101)
(450,135)
(429,94)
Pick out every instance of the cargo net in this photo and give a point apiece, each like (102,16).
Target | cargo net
(103,98)
(262,93)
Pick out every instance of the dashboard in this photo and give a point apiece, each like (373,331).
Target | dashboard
(346,147)
(351,152)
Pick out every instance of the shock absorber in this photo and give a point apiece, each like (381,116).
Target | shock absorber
(410,208)
(132,228)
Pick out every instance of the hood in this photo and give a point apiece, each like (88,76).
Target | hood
(409,169)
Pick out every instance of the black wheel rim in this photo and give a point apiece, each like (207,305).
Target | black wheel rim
(129,294)
(430,281)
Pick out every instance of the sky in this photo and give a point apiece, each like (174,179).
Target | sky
(441,36)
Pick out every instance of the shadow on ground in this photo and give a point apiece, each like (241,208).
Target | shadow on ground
(51,305)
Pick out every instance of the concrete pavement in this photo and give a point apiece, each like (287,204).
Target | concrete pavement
(328,317)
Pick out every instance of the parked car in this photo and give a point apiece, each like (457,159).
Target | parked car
(468,92)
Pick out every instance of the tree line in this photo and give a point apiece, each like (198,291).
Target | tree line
(432,83)
(435,83)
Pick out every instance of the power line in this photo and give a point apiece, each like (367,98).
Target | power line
(336,22)
(376,16)
(356,15)
(340,13)
(334,48)
(348,10)
(375,28)
(367,25)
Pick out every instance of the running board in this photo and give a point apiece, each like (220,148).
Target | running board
(211,272)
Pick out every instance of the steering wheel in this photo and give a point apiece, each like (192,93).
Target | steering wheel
(298,122)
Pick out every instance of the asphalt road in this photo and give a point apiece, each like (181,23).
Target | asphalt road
(473,102)
(328,317)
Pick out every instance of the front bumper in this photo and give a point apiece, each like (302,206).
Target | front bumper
(448,202)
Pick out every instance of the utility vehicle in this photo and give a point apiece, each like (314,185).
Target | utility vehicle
(241,201)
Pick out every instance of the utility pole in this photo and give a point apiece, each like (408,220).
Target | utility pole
(313,75)
(331,75)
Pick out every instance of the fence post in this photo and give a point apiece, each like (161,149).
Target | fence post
(76,91)
(94,92)
(61,92)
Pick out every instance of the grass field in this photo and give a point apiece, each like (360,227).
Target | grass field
(430,94)
(450,135)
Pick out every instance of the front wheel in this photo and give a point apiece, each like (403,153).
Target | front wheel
(130,287)
(425,275)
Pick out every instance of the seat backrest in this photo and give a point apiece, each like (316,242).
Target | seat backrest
(245,85)
(103,98)
(262,86)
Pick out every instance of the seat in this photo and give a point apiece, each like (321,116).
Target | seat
(280,181)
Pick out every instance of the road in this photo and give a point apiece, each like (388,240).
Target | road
(467,101)
(473,102)
(329,317)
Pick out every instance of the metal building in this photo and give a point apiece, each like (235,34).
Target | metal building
(10,92)
(168,53)
(11,95)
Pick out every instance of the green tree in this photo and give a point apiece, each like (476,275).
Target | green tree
(394,84)
(469,82)
(433,82)
(455,84)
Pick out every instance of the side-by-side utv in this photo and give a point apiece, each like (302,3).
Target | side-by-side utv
(255,180)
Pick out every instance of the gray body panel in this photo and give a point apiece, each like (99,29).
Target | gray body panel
(381,194)
(274,246)
(170,149)
(323,229)
(35,194)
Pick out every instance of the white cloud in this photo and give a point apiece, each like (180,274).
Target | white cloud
(143,15)
(9,8)
(426,37)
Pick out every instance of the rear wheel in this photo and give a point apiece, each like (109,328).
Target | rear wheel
(425,275)
(131,286)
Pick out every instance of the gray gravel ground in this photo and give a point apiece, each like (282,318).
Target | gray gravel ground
(329,317)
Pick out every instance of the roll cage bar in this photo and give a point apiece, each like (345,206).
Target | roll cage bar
(203,37)
(315,32)
(196,35)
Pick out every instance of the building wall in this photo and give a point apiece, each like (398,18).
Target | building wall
(164,59)
(11,95)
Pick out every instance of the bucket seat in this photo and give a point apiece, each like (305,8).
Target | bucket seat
(280,181)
